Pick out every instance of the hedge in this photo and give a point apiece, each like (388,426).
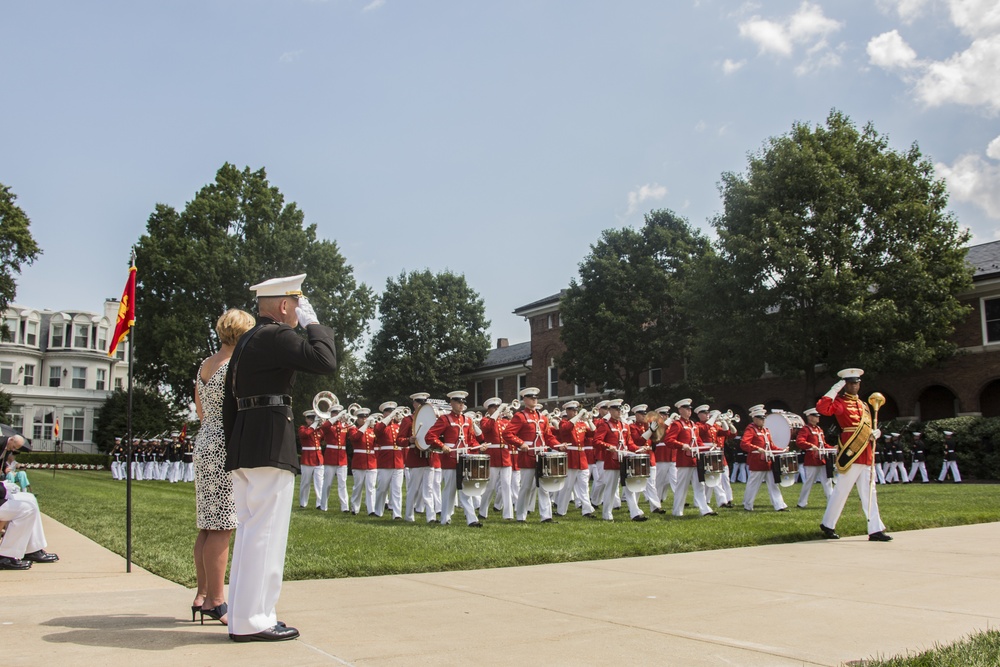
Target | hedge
(35,459)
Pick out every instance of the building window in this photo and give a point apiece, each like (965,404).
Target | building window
(477,390)
(498,388)
(579,389)
(73,425)
(79,377)
(16,420)
(553,381)
(45,417)
(522,382)
(10,330)
(102,339)
(120,353)
(29,375)
(991,320)
(101,382)
(7,372)
(57,336)
(548,321)
(119,384)
(655,376)
(81,336)
(55,376)
(31,337)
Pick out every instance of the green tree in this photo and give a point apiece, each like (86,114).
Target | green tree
(17,246)
(624,314)
(433,328)
(152,414)
(833,249)
(195,264)
(6,405)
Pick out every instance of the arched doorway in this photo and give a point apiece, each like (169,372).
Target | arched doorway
(989,399)
(937,402)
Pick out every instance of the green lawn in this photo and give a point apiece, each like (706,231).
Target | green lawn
(330,545)
(978,650)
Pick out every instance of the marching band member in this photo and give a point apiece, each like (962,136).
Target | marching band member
(757,442)
(572,435)
(642,436)
(715,435)
(118,460)
(334,432)
(740,468)
(188,461)
(597,469)
(615,438)
(810,440)
(666,458)
(919,459)
(950,459)
(856,440)
(418,486)
(363,462)
(529,432)
(500,462)
(311,464)
(389,482)
(682,437)
(454,434)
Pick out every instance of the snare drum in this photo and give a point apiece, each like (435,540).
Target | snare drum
(636,472)
(785,468)
(711,467)
(475,473)
(784,426)
(553,470)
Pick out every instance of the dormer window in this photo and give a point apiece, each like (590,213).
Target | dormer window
(58,331)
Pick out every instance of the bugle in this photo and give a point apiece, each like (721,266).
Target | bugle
(323,403)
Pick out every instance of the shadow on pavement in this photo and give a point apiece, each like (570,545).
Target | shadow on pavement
(133,631)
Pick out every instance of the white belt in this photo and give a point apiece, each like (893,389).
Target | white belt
(336,447)
(495,446)
(310,449)
(383,448)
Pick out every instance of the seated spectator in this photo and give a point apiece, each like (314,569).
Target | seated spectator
(13,473)
(23,542)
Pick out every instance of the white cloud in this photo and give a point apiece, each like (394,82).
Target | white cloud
(700,126)
(807,28)
(290,56)
(731,66)
(975,180)
(975,17)
(644,193)
(373,5)
(889,50)
(907,10)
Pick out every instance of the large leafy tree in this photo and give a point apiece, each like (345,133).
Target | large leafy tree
(835,249)
(17,246)
(433,328)
(196,263)
(152,414)
(624,314)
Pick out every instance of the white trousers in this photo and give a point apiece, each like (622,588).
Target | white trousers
(24,532)
(597,490)
(666,479)
(611,482)
(331,473)
(149,470)
(525,499)
(116,470)
(364,483)
(688,477)
(740,470)
(311,476)
(753,486)
(577,484)
(859,476)
(651,489)
(137,470)
(815,474)
(389,486)
(880,473)
(922,467)
(263,508)
(189,472)
(953,466)
(449,492)
(419,493)
(500,485)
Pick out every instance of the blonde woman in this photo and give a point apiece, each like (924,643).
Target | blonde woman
(216,508)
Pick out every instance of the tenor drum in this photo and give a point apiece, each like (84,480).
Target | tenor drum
(712,465)
(786,468)
(554,466)
(475,473)
(423,419)
(784,426)
(636,472)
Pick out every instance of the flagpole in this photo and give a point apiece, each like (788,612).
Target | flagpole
(128,485)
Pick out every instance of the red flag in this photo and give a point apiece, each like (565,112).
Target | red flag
(184,432)
(126,312)
(55,430)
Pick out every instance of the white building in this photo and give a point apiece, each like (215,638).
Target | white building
(55,365)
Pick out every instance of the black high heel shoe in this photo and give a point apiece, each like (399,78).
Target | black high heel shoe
(215,613)
(195,608)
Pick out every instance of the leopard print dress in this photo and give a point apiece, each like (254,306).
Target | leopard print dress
(213,486)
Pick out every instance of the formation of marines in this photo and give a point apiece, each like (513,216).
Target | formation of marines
(168,458)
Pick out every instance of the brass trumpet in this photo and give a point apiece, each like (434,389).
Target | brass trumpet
(323,403)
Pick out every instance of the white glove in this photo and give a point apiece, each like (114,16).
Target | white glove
(306,313)
(835,389)
(877,433)
(648,434)
(476,429)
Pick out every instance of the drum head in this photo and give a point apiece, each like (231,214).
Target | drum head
(636,484)
(713,479)
(423,419)
(787,480)
(780,424)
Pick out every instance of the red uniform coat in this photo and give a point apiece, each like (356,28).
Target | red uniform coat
(334,444)
(756,440)
(453,430)
(415,457)
(848,410)
(387,450)
(312,442)
(573,436)
(808,439)
(639,441)
(711,434)
(531,428)
(683,432)
(364,448)
(496,448)
(614,438)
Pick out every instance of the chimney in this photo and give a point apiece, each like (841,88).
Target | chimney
(502,343)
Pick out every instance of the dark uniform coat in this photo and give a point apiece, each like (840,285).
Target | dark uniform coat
(266,364)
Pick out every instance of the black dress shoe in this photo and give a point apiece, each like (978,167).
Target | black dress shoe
(476,524)
(549,521)
(40,556)
(879,537)
(278,633)
(7,563)
(829,533)
(659,510)
(710,514)
(590,515)
(641,517)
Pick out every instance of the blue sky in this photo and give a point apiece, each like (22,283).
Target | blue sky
(496,140)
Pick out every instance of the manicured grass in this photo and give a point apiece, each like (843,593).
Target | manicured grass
(331,545)
(978,650)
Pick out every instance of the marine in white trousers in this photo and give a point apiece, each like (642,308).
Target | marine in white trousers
(499,484)
(611,482)
(311,476)
(24,532)
(331,473)
(953,467)
(922,468)
(859,476)
(263,501)
(364,483)
(189,472)
(525,499)
(577,485)
(449,492)
(389,487)
(815,474)
(688,477)
(419,495)
(773,490)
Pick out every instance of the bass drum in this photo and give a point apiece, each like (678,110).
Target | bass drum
(423,419)
(784,426)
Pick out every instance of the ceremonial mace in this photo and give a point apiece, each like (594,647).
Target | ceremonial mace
(876,400)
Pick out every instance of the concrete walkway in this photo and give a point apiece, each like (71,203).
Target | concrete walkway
(787,605)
